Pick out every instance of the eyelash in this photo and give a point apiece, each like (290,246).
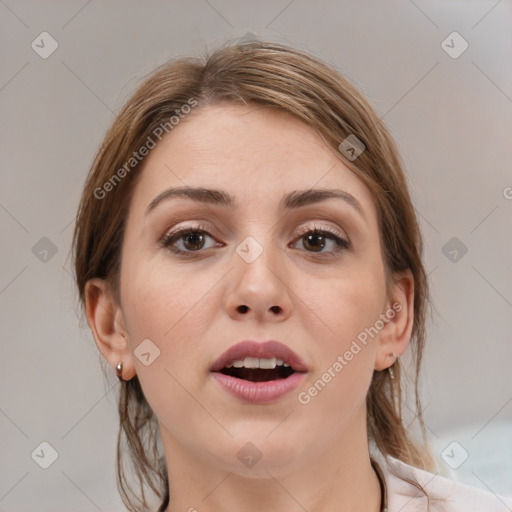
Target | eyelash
(169,239)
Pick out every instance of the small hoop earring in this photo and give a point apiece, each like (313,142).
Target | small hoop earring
(119,371)
(390,369)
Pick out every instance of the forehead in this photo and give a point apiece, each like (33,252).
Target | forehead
(248,151)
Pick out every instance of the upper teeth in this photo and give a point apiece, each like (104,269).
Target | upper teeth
(257,362)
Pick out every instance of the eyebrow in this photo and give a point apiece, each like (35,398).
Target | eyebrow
(292,200)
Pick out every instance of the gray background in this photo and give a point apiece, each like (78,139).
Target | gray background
(452,121)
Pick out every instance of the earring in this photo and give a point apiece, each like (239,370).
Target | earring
(390,369)
(119,371)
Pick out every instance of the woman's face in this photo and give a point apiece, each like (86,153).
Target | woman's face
(252,273)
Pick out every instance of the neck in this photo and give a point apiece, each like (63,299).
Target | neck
(330,476)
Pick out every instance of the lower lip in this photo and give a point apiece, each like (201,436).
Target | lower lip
(263,392)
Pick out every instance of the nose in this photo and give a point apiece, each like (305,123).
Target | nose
(259,290)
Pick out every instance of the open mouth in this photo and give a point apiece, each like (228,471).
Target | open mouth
(258,370)
(258,374)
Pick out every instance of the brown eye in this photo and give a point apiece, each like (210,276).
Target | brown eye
(193,240)
(187,241)
(316,240)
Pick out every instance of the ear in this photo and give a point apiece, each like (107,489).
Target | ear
(398,318)
(105,318)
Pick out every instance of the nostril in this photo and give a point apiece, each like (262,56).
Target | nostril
(242,309)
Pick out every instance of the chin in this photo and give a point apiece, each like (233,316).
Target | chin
(256,454)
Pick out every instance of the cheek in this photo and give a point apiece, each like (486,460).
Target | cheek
(171,308)
(157,295)
(345,353)
(346,302)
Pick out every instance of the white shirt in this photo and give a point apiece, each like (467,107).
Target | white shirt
(444,495)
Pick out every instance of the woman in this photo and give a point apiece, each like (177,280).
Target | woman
(249,262)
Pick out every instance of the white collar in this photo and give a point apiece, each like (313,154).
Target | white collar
(443,494)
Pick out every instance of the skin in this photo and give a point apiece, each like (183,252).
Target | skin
(314,456)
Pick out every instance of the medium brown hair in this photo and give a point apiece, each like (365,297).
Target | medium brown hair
(275,76)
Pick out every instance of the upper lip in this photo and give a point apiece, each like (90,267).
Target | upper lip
(264,349)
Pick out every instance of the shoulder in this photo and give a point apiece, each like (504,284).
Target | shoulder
(442,494)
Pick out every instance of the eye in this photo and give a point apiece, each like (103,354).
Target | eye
(187,240)
(317,239)
(193,239)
